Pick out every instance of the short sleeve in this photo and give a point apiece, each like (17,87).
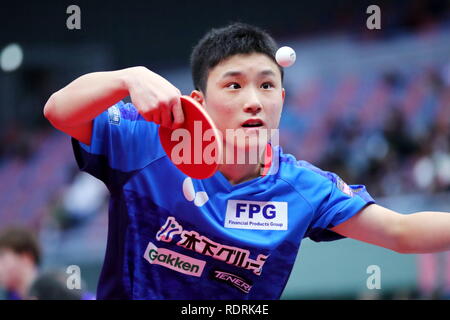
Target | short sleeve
(333,202)
(122,143)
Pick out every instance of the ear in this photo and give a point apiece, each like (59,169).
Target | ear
(283,94)
(198,96)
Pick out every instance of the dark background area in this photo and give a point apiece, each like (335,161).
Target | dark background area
(156,33)
(160,35)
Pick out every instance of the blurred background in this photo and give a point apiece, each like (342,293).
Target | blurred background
(371,105)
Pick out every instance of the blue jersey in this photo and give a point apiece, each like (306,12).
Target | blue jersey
(173,237)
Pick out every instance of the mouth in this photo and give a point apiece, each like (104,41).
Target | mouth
(252,123)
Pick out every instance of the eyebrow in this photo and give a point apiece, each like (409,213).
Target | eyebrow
(266,72)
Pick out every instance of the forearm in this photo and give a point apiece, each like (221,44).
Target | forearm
(85,98)
(425,232)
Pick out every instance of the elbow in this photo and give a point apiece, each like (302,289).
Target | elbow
(49,107)
(50,110)
(405,249)
(402,248)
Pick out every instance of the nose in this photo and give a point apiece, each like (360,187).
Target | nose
(253,103)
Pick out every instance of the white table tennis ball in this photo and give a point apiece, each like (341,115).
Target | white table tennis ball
(285,56)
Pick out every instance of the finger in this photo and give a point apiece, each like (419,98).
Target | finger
(178,114)
(142,110)
(166,116)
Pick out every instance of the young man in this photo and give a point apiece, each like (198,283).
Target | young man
(19,261)
(20,258)
(241,240)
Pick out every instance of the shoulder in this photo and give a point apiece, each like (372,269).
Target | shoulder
(315,183)
(309,182)
(295,171)
(122,120)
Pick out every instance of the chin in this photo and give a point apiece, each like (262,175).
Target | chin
(248,147)
(244,153)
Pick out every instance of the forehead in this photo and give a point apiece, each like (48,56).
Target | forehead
(6,252)
(245,64)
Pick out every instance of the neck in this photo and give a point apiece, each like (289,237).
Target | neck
(238,173)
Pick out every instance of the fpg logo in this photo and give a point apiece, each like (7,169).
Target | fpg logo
(251,209)
(259,215)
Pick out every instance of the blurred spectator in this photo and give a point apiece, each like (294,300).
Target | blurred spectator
(392,159)
(445,74)
(19,260)
(20,257)
(52,285)
(17,141)
(397,134)
(85,197)
(433,272)
(80,201)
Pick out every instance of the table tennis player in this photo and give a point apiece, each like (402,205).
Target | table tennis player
(236,234)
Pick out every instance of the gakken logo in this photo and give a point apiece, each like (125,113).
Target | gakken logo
(174,260)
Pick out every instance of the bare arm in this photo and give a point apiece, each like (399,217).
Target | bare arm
(420,232)
(426,232)
(72,108)
(375,225)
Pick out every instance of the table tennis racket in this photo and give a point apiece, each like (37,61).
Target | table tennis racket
(203,137)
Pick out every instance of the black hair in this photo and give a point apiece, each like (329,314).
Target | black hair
(222,43)
(21,240)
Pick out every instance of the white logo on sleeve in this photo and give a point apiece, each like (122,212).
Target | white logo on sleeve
(114,115)
(199,198)
(257,215)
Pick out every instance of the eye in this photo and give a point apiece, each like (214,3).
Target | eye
(267,85)
(233,85)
